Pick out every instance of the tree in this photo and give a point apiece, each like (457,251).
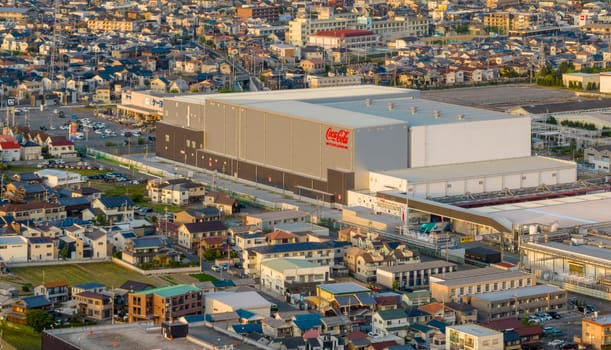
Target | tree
(39,319)
(64,253)
(395,285)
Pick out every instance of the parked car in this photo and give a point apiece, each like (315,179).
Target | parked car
(557,333)
(224,267)
(549,330)
(555,315)
(215,268)
(556,343)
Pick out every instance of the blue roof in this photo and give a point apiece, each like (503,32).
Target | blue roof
(68,201)
(36,302)
(511,336)
(147,242)
(421,328)
(116,202)
(438,324)
(346,300)
(90,285)
(365,299)
(128,234)
(67,222)
(247,328)
(194,318)
(245,314)
(291,247)
(307,321)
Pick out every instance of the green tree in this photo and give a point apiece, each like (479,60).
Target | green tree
(39,319)
(551,120)
(64,253)
(395,285)
(100,220)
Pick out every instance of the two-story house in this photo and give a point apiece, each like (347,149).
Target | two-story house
(191,234)
(390,322)
(13,248)
(94,305)
(62,149)
(34,211)
(42,249)
(113,209)
(55,291)
(197,215)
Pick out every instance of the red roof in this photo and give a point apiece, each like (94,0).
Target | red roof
(62,143)
(345,32)
(9,145)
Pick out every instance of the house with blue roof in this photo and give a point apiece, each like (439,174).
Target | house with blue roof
(248,328)
(305,322)
(21,307)
(114,209)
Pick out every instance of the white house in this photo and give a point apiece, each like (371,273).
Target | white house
(14,249)
(10,151)
(278,274)
(474,337)
(390,322)
(220,302)
(59,178)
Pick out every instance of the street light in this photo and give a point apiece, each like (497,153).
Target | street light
(196,157)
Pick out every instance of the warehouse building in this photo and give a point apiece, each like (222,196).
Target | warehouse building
(323,143)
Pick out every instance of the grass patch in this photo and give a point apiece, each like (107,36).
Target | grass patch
(112,189)
(204,277)
(111,275)
(169,279)
(20,336)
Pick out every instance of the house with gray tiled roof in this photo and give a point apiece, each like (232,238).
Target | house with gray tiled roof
(390,322)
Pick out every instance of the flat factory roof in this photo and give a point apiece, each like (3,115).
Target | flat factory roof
(518,293)
(477,169)
(578,252)
(566,211)
(358,106)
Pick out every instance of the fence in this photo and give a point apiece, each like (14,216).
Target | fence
(57,262)
(156,271)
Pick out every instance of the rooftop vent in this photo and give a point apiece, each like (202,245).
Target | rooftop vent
(460,117)
(390,106)
(367,102)
(436,114)
(413,109)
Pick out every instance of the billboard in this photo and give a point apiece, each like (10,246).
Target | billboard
(72,131)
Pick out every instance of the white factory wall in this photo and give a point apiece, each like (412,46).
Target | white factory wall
(605,83)
(469,141)
(382,182)
(379,148)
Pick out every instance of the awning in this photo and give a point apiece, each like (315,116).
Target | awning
(138,109)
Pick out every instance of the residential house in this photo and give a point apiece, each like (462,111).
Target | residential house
(93,305)
(363,264)
(120,239)
(287,276)
(174,191)
(21,307)
(416,298)
(145,250)
(464,313)
(598,157)
(113,209)
(529,336)
(13,248)
(10,151)
(160,85)
(190,235)
(90,193)
(24,192)
(276,328)
(62,149)
(280,237)
(245,241)
(197,215)
(312,66)
(165,304)
(390,322)
(216,243)
(439,312)
(55,291)
(597,331)
(336,325)
(42,249)
(225,204)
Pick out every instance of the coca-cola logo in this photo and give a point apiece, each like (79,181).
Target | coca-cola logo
(337,138)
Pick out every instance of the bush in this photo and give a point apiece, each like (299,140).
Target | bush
(27,287)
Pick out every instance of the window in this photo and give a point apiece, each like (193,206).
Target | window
(167,137)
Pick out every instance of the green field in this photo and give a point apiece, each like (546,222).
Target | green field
(109,274)
(20,336)
(204,277)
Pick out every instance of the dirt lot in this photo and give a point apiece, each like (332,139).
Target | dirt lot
(500,97)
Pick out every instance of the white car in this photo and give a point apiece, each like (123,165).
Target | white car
(556,342)
(373,334)
(52,128)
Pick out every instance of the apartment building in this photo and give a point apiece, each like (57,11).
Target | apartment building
(519,302)
(412,275)
(315,82)
(597,332)
(268,13)
(345,39)
(112,25)
(472,336)
(94,305)
(269,220)
(165,304)
(34,211)
(457,285)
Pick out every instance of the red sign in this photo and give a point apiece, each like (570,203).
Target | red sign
(337,138)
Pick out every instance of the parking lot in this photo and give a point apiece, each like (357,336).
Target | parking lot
(99,128)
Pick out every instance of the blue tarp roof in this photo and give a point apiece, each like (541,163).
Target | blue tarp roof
(438,324)
(247,328)
(307,321)
(245,313)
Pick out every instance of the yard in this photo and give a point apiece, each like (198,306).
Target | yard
(19,336)
(109,274)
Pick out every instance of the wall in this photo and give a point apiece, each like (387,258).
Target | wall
(469,141)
